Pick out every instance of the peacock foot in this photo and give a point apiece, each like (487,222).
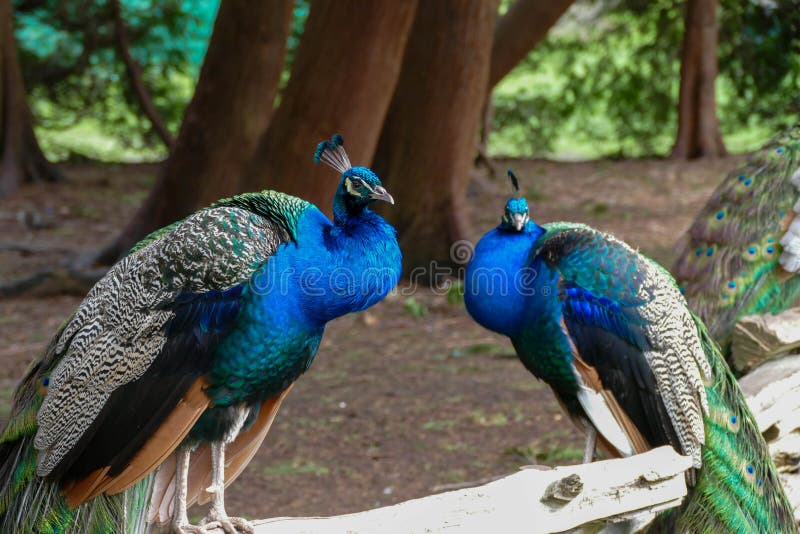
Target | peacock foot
(229,525)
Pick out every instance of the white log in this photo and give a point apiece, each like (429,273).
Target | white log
(757,338)
(584,497)
(773,394)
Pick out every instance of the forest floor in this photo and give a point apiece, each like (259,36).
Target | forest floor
(405,399)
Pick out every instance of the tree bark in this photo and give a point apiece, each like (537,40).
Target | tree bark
(698,127)
(231,107)
(342,80)
(21,158)
(518,31)
(426,148)
(135,75)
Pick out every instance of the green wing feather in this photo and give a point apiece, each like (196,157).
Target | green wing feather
(280,208)
(728,262)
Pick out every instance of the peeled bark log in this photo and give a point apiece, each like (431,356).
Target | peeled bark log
(342,79)
(21,158)
(698,126)
(609,496)
(231,107)
(427,146)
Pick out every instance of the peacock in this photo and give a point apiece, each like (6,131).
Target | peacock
(742,253)
(608,330)
(181,355)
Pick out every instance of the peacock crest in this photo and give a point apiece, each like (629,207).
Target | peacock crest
(332,153)
(516,214)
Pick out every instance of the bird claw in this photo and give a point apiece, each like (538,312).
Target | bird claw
(229,525)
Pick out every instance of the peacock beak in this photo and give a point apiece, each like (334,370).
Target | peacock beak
(518,221)
(379,193)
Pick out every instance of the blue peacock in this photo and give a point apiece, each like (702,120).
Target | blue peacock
(181,355)
(609,331)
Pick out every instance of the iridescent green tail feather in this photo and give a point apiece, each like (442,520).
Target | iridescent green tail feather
(734,261)
(737,489)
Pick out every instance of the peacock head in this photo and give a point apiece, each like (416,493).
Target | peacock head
(359,186)
(516,215)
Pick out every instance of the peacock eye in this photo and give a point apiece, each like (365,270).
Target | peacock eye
(356,184)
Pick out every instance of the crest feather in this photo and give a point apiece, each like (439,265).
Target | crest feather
(514,182)
(332,153)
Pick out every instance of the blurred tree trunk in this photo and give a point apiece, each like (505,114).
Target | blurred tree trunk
(231,107)
(21,159)
(426,147)
(518,31)
(698,126)
(342,80)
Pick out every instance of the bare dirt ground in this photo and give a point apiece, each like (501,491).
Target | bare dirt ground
(404,399)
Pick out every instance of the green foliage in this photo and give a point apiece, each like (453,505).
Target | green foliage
(295,467)
(415,308)
(760,59)
(455,293)
(480,348)
(605,82)
(81,94)
(80,91)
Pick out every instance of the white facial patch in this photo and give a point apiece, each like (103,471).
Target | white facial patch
(348,185)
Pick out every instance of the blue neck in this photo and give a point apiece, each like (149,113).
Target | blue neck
(347,210)
(330,271)
(500,280)
(366,263)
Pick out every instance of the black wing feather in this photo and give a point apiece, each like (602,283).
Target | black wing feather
(139,407)
(625,372)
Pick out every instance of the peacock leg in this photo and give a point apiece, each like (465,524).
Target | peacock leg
(217,517)
(180,521)
(591,442)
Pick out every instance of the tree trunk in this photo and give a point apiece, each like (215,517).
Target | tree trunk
(21,158)
(521,28)
(342,80)
(231,107)
(698,127)
(427,145)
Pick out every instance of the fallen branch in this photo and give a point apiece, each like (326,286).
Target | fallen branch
(758,338)
(56,281)
(31,248)
(461,485)
(584,497)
